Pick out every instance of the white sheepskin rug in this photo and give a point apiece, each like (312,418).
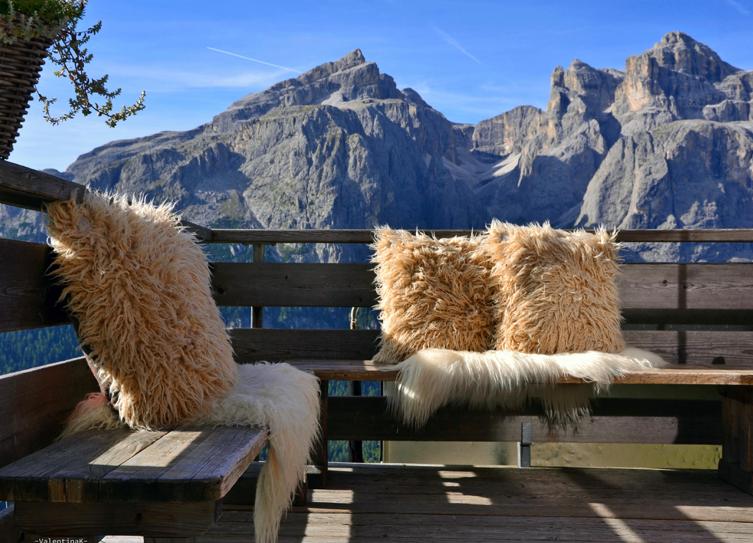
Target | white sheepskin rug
(276,396)
(286,400)
(433,378)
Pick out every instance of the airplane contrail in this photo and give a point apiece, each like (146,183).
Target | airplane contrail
(252,59)
(452,42)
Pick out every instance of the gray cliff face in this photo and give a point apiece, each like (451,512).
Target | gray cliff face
(548,158)
(507,133)
(340,146)
(666,143)
(686,174)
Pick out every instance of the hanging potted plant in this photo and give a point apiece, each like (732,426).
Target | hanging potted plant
(31,31)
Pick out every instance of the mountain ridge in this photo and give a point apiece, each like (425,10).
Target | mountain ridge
(666,142)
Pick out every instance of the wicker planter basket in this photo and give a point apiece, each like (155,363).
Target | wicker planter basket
(20,66)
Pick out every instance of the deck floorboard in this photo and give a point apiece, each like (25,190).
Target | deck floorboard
(454,504)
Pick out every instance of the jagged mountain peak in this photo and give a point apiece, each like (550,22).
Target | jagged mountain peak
(347,79)
(680,52)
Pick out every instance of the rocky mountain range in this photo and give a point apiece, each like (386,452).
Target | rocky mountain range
(665,143)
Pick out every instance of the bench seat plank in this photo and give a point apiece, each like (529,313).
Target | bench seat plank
(677,374)
(189,464)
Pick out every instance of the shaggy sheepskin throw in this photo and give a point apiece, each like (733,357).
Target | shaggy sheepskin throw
(557,290)
(286,400)
(139,287)
(433,378)
(432,293)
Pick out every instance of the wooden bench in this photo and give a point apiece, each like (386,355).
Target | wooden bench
(699,316)
(157,484)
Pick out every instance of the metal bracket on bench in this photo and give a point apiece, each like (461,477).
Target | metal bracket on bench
(524,445)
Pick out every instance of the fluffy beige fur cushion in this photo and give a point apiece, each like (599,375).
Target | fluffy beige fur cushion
(139,287)
(432,293)
(557,290)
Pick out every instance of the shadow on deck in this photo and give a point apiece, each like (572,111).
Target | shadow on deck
(365,503)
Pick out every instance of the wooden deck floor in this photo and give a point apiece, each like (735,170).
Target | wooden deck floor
(448,504)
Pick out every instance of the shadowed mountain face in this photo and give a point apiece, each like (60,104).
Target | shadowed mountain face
(666,143)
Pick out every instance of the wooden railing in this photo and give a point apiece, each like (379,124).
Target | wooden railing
(693,314)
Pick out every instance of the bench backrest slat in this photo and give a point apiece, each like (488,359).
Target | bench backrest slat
(696,347)
(35,403)
(642,286)
(26,294)
(613,421)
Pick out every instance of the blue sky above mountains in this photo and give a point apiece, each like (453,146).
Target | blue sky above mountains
(470,60)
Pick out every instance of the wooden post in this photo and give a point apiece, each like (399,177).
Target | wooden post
(257,312)
(322,452)
(736,464)
(356,447)
(524,445)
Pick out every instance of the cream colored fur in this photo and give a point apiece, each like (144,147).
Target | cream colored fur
(139,287)
(432,293)
(275,396)
(92,413)
(557,290)
(285,400)
(433,378)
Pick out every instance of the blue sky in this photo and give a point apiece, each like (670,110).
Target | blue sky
(470,60)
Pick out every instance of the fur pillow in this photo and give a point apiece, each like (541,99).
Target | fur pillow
(557,289)
(432,293)
(139,287)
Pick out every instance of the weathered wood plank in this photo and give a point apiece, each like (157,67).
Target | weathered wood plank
(222,235)
(27,296)
(372,527)
(149,519)
(643,421)
(79,481)
(43,475)
(370,503)
(24,187)
(720,349)
(686,286)
(124,466)
(35,403)
(274,284)
(212,467)
(677,374)
(642,286)
(274,344)
(33,189)
(188,465)
(697,347)
(452,504)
